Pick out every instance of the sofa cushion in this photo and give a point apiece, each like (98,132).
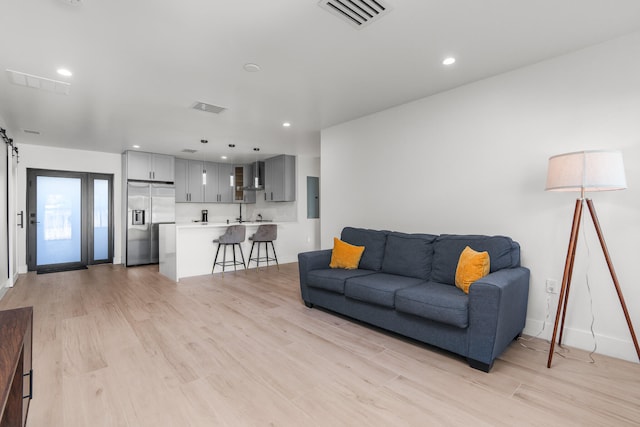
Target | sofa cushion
(435,301)
(408,255)
(373,241)
(332,279)
(448,247)
(345,255)
(378,288)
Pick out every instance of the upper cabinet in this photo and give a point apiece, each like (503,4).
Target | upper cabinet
(280,178)
(189,186)
(225,183)
(150,166)
(218,188)
(209,182)
(211,194)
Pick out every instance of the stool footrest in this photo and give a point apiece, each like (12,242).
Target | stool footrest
(231,263)
(258,259)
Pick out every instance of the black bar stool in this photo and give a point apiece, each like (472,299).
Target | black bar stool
(234,235)
(266,234)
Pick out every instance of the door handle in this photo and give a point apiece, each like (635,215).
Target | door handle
(30,374)
(21,215)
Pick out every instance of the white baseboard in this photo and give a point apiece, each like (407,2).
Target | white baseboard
(582,339)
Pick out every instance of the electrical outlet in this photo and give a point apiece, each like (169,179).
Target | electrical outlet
(552,286)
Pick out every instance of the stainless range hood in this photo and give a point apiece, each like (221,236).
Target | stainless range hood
(257,177)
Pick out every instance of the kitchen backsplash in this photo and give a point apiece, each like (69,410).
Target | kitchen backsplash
(221,212)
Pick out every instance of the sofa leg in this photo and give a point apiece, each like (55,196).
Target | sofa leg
(476,364)
(308,304)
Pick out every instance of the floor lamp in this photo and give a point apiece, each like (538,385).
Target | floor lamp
(585,171)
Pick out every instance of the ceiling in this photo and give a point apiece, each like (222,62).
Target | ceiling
(139,66)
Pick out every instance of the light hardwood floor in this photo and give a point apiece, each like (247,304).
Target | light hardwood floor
(117,346)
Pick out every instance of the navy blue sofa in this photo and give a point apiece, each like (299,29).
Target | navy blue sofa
(405,283)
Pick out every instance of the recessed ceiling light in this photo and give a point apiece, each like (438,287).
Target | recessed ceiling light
(136,146)
(223,157)
(251,68)
(449,61)
(65,72)
(286,124)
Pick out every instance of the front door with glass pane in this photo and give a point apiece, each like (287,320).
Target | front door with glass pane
(69,219)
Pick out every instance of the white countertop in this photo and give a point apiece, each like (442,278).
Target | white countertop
(220,224)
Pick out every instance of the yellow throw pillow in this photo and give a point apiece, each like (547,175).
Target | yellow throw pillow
(345,255)
(472,266)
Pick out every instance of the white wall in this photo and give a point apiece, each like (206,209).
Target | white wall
(473,160)
(41,157)
(5,280)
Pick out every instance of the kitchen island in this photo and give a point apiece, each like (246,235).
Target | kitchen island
(187,249)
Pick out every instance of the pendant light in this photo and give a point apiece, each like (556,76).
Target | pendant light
(256,175)
(204,169)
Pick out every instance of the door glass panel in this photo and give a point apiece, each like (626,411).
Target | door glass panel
(59,236)
(100,219)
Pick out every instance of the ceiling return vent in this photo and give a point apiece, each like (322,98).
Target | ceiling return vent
(358,13)
(37,82)
(208,108)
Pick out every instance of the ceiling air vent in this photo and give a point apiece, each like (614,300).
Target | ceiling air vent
(189,150)
(37,82)
(358,13)
(208,108)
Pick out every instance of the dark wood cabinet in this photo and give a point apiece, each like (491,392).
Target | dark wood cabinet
(16,374)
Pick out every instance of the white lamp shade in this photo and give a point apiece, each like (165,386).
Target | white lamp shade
(586,171)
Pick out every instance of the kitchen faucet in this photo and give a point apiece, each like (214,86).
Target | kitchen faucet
(239,219)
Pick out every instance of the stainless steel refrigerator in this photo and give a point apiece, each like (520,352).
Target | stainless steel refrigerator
(148,205)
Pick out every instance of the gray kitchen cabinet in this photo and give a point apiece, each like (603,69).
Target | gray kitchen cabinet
(188,181)
(211,194)
(225,187)
(218,188)
(280,178)
(150,166)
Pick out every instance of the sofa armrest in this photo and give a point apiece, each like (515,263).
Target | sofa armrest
(308,261)
(497,313)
